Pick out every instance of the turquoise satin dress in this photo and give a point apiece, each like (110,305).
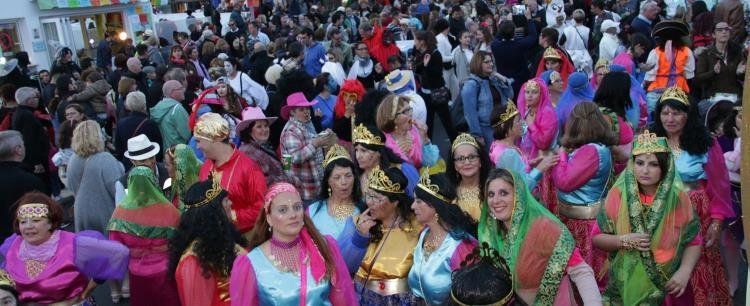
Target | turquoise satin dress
(430,276)
(324,222)
(596,188)
(282,288)
(690,167)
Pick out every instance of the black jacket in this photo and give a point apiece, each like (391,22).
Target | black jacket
(126,129)
(35,137)
(16,179)
(259,63)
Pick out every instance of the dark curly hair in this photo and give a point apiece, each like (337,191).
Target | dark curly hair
(356,190)
(403,208)
(695,138)
(370,101)
(451,217)
(208,227)
(484,167)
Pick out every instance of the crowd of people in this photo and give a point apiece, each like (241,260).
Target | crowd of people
(592,157)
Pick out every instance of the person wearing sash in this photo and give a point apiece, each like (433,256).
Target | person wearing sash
(650,230)
(445,241)
(290,262)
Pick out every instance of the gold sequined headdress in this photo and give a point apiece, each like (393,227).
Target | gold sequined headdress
(551,53)
(363,135)
(32,210)
(336,152)
(675,93)
(210,195)
(212,127)
(427,186)
(510,111)
(464,138)
(6,280)
(379,181)
(649,143)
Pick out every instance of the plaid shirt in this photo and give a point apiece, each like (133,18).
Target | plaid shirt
(307,160)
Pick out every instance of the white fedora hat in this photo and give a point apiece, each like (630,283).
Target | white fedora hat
(140,148)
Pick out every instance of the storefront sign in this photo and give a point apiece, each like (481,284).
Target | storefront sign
(52,4)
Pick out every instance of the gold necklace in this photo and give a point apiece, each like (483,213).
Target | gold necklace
(341,211)
(468,194)
(676,150)
(432,243)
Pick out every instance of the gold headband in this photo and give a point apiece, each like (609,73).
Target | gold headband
(212,127)
(510,111)
(6,280)
(551,53)
(362,135)
(32,210)
(464,138)
(336,152)
(210,195)
(675,93)
(426,185)
(532,85)
(649,143)
(379,181)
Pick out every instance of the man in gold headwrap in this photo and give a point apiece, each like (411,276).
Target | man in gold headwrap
(238,174)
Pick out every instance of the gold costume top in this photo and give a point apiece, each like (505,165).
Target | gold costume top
(470,201)
(395,258)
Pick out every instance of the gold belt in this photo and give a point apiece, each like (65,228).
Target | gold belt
(581,212)
(385,287)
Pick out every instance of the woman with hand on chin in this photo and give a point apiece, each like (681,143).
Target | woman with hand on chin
(51,266)
(647,212)
(290,262)
(538,248)
(445,241)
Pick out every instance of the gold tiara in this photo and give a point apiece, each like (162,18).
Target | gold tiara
(649,143)
(531,84)
(363,135)
(32,210)
(6,280)
(336,152)
(675,93)
(426,185)
(210,195)
(510,111)
(551,53)
(464,138)
(379,181)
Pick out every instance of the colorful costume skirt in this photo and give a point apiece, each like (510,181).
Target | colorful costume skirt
(596,258)
(546,192)
(709,278)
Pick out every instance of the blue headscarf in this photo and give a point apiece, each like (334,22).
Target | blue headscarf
(578,90)
(637,94)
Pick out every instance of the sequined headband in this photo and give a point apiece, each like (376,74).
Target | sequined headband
(274,191)
(427,186)
(33,210)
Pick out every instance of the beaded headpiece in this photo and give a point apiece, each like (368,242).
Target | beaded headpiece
(510,111)
(32,210)
(336,152)
(211,127)
(210,195)
(363,135)
(649,143)
(551,53)
(427,186)
(533,85)
(6,280)
(379,181)
(675,93)
(464,138)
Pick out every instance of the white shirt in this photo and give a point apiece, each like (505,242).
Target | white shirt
(249,89)
(608,47)
(444,47)
(575,36)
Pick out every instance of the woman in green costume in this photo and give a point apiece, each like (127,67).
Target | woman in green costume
(650,230)
(539,250)
(183,168)
(144,222)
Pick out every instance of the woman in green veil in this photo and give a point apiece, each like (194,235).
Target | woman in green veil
(650,230)
(183,167)
(539,249)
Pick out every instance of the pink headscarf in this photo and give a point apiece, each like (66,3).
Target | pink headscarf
(317,264)
(542,132)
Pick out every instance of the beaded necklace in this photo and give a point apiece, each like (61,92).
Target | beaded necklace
(285,255)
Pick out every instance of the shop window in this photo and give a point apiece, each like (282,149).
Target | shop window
(10,41)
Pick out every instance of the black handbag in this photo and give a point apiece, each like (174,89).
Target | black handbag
(440,96)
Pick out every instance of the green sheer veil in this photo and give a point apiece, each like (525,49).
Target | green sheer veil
(186,169)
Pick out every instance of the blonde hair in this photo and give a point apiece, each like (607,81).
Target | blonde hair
(87,139)
(386,112)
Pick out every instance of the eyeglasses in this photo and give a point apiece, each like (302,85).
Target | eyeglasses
(374,199)
(405,111)
(463,159)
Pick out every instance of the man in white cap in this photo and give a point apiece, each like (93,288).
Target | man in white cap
(141,152)
(610,44)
